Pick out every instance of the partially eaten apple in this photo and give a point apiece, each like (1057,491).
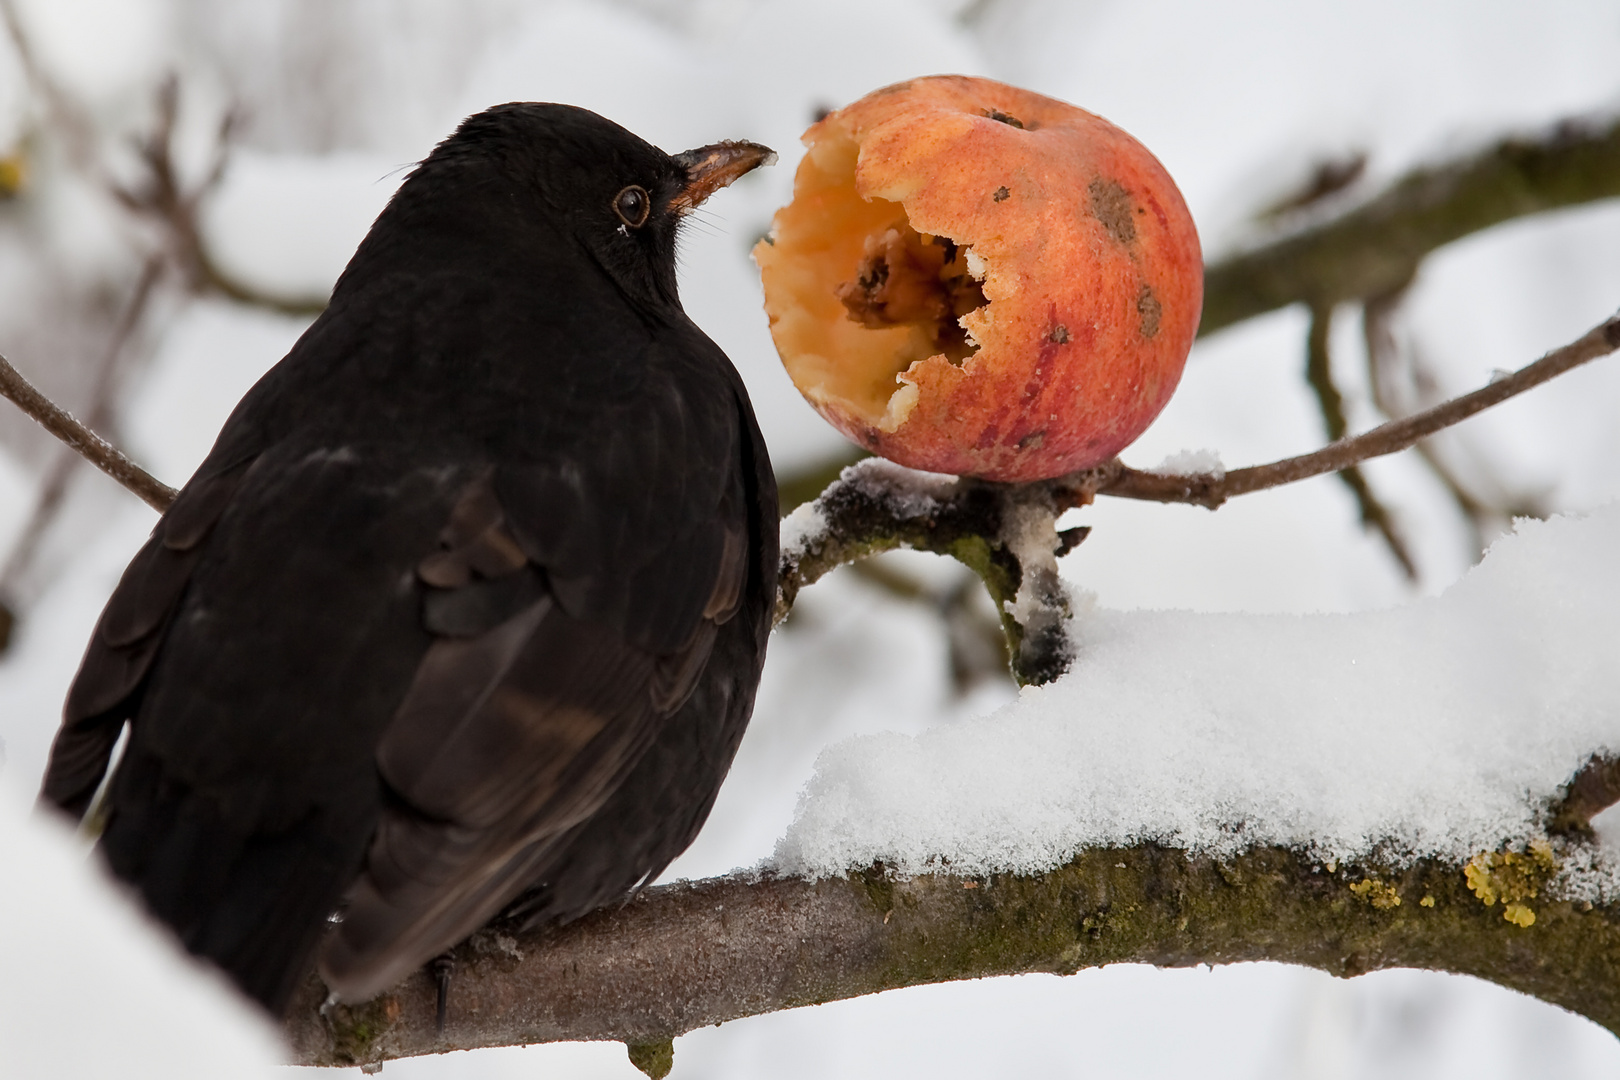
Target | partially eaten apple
(976,279)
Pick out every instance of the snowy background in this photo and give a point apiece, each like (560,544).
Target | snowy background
(1239,100)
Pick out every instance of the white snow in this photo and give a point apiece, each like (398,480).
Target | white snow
(1438,728)
(1191,463)
(804,530)
(904,493)
(1030,534)
(908,493)
(92,988)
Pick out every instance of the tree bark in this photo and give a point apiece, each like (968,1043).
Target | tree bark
(687,955)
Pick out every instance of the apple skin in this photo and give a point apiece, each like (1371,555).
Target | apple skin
(1090,265)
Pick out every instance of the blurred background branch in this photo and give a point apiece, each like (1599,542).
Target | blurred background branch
(1378,245)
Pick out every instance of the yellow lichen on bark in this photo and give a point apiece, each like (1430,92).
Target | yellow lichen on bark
(1512,877)
(1380,894)
(1519,915)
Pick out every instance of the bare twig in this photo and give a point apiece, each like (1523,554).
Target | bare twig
(1378,246)
(163,197)
(1399,388)
(53,488)
(1210,490)
(1319,374)
(92,447)
(1328,177)
(976,646)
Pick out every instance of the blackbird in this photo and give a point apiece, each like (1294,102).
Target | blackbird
(468,603)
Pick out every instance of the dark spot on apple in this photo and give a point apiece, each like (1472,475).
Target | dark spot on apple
(1148,310)
(1004,118)
(1059,335)
(1033,441)
(1111,205)
(1001,194)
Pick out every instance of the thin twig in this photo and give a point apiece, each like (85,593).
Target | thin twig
(1211,489)
(1390,368)
(976,647)
(1319,374)
(163,197)
(92,447)
(53,489)
(70,120)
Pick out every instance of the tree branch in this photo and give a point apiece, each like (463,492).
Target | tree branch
(53,489)
(92,447)
(1594,788)
(162,196)
(1004,533)
(1210,489)
(682,956)
(1399,384)
(1378,246)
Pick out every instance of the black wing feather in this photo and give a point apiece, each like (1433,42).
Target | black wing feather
(126,640)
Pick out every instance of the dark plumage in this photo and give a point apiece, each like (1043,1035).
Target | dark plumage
(469,600)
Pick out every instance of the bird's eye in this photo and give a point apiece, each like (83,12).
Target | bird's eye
(633,205)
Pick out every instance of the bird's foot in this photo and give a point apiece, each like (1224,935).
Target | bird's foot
(441,967)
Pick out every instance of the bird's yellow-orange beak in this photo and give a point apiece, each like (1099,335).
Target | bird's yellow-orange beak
(710,168)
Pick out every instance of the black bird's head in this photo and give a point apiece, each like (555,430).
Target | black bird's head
(545,174)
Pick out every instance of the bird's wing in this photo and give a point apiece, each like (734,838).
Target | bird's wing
(257,647)
(126,640)
(574,607)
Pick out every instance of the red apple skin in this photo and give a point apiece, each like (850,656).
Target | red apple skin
(1092,271)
